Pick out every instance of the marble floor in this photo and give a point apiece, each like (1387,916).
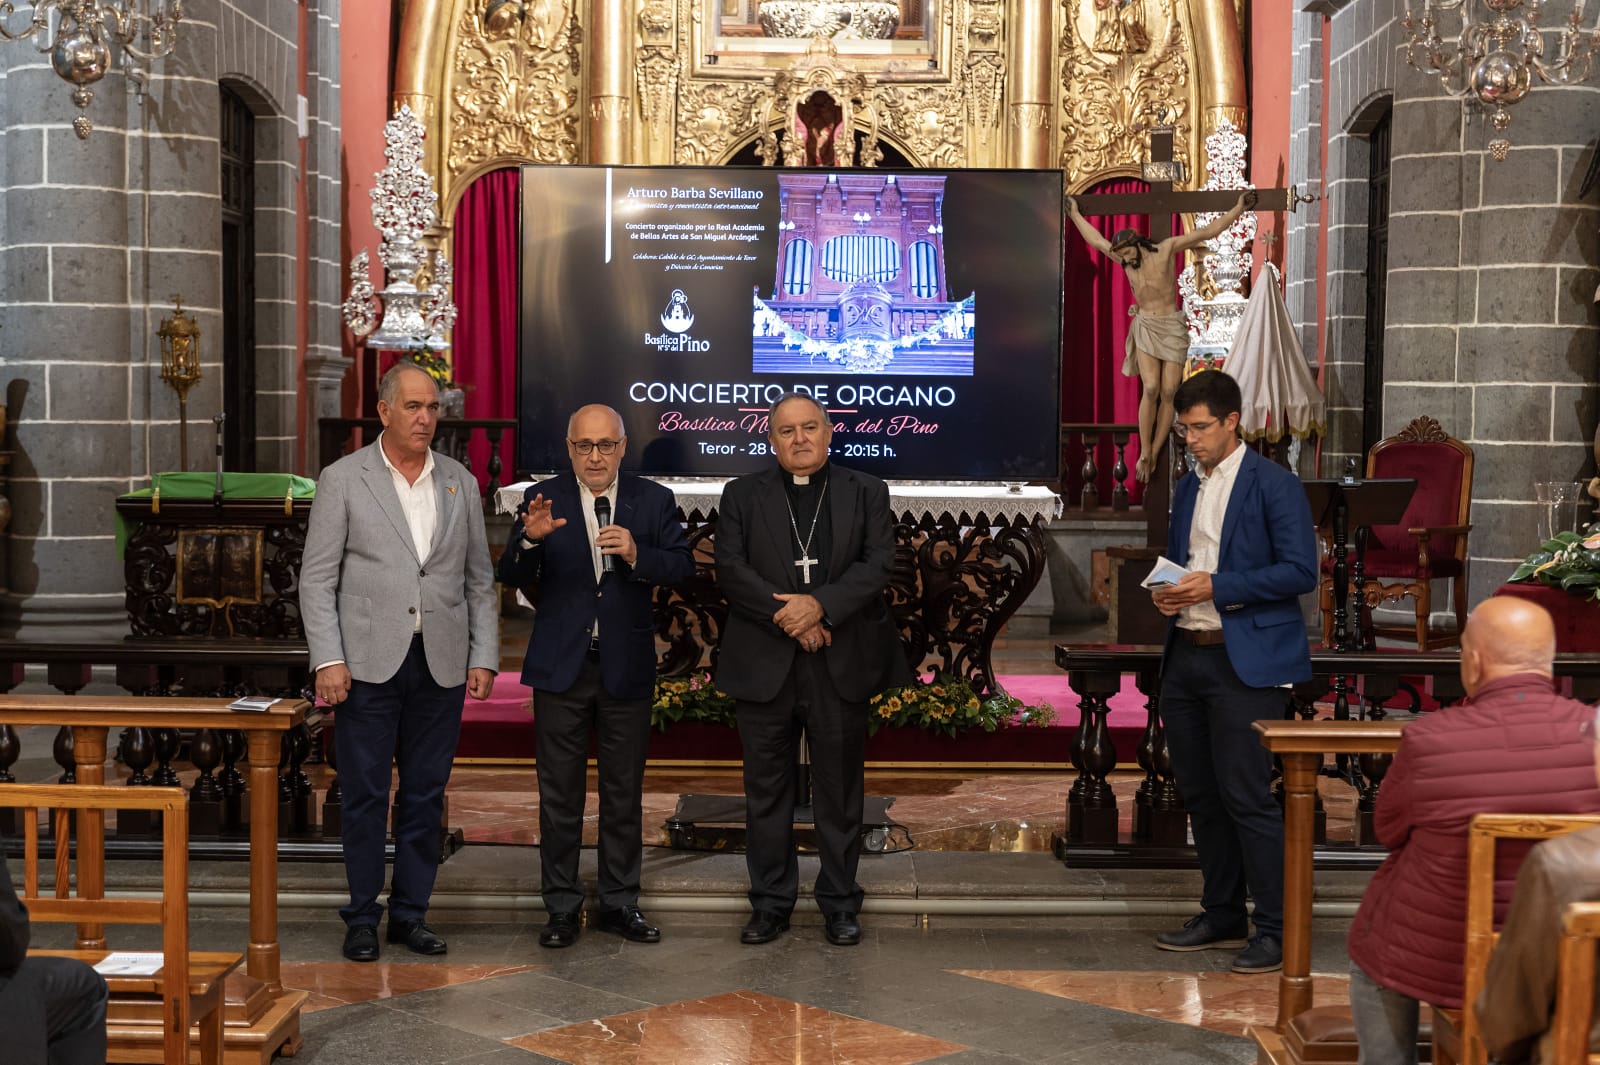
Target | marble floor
(979,947)
(960,991)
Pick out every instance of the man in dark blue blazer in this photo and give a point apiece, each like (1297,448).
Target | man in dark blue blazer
(1243,528)
(592,545)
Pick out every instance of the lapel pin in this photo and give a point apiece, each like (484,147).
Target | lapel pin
(451,489)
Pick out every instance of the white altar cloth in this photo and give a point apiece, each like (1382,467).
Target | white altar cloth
(963,503)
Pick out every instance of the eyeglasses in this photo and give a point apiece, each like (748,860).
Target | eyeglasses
(605,447)
(1186,431)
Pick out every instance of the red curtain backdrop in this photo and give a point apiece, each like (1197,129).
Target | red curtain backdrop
(1094,325)
(487,234)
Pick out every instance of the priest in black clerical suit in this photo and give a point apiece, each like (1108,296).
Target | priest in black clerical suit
(804,553)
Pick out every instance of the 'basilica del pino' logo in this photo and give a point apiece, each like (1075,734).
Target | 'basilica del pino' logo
(676,319)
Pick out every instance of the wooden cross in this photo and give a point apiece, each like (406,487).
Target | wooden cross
(1162,202)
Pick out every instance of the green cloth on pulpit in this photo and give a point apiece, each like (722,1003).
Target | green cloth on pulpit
(204,486)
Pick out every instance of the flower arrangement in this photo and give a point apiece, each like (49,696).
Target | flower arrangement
(435,365)
(691,698)
(944,704)
(1569,561)
(949,705)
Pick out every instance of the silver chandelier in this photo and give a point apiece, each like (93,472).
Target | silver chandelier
(414,319)
(147,30)
(1498,52)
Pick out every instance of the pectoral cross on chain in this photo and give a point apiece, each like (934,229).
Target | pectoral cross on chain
(804,565)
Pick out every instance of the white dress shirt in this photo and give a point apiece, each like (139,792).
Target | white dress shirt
(1205,534)
(420,504)
(592,524)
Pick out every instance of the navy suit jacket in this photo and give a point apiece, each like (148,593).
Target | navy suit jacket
(1267,559)
(570,600)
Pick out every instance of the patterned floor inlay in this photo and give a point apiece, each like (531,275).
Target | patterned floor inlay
(1218,1001)
(739,1028)
(340,983)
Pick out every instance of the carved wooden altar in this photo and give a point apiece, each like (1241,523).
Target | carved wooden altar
(966,557)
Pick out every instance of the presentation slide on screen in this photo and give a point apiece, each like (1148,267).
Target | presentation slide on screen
(921,308)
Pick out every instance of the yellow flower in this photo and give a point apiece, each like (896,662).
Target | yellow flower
(894,704)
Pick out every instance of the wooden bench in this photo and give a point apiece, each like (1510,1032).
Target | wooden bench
(1574,1017)
(1455,1032)
(188,986)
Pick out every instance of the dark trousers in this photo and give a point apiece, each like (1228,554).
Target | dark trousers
(411,721)
(1224,775)
(836,734)
(562,722)
(54,1012)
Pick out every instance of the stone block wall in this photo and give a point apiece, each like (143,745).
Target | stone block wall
(1492,268)
(97,235)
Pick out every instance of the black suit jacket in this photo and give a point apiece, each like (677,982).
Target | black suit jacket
(755,560)
(570,600)
(13,926)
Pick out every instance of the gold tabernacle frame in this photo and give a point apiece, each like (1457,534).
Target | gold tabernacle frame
(1027,83)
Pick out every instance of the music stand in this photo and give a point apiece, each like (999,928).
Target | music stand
(1341,504)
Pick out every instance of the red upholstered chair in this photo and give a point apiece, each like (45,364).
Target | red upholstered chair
(1429,543)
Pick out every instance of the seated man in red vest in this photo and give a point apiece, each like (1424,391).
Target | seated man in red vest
(1518,1000)
(1514,746)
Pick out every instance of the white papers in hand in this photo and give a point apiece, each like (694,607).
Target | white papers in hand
(128,963)
(1165,572)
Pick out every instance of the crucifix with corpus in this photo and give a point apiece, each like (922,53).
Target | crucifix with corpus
(1158,337)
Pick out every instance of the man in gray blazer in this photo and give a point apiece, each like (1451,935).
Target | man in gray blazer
(397,597)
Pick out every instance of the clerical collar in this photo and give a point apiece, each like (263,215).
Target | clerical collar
(803,479)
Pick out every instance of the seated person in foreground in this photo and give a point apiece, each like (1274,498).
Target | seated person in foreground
(52,1010)
(1514,746)
(1518,1000)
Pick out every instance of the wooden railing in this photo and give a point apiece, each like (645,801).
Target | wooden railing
(1359,685)
(1085,449)
(338,436)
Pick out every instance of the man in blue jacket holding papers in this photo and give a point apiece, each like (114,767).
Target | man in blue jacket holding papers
(1242,527)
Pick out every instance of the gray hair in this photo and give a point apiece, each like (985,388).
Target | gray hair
(772,411)
(389,383)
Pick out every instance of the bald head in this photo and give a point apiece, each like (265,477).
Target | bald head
(1505,636)
(593,415)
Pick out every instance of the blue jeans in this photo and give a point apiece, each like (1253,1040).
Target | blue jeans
(1386,1022)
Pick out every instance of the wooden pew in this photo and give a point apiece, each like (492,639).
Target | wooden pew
(188,986)
(263,1017)
(1455,1032)
(1574,1017)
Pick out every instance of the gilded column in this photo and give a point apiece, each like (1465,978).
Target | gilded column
(1219,51)
(1029,34)
(417,74)
(610,35)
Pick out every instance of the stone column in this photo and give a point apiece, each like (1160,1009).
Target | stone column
(610,33)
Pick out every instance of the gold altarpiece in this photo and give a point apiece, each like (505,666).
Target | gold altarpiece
(979,83)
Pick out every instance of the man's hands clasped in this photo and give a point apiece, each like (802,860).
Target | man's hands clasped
(801,618)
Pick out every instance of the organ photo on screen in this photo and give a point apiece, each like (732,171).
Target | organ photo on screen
(860,284)
(689,298)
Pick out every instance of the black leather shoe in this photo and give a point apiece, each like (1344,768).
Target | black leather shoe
(1202,933)
(630,924)
(764,927)
(1263,955)
(417,937)
(842,929)
(561,930)
(361,942)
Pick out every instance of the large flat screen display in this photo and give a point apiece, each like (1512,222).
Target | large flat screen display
(921,307)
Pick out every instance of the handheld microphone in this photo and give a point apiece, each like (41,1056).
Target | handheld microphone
(602,518)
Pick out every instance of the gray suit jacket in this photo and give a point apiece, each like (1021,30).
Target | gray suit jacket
(360,575)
